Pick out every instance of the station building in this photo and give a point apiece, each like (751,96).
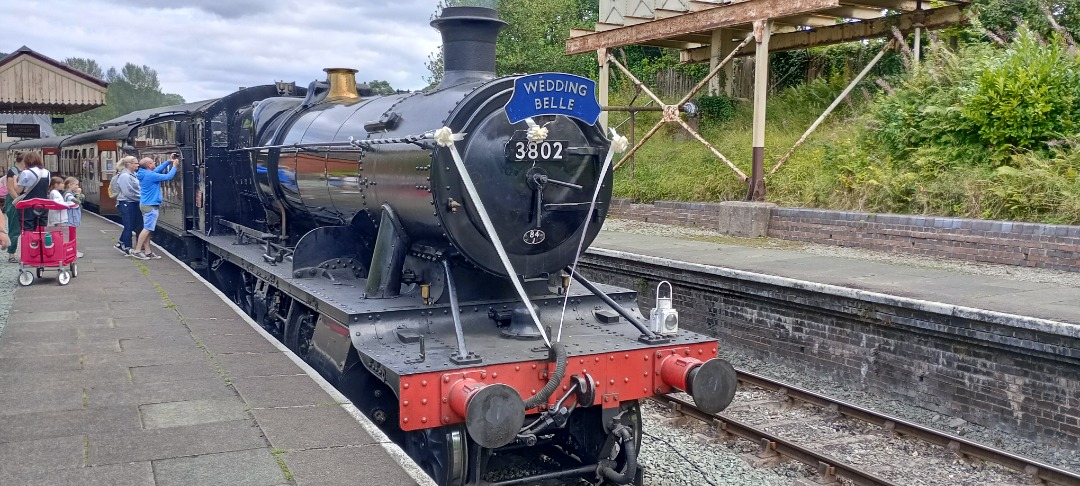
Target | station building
(35,88)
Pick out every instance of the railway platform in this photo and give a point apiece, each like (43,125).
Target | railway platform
(139,373)
(1045,299)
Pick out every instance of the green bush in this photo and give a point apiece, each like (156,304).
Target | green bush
(1029,97)
(716,109)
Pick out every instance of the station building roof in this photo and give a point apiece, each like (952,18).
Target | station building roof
(33,83)
(688,25)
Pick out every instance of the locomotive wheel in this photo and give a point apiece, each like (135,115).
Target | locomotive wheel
(442,453)
(26,278)
(64,277)
(298,334)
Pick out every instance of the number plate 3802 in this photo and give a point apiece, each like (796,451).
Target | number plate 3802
(546,151)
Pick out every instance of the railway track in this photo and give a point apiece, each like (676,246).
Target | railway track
(830,468)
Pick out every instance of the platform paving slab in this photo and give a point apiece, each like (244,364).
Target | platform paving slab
(126,377)
(133,474)
(37,379)
(151,444)
(25,399)
(280,391)
(52,453)
(239,365)
(49,425)
(168,373)
(65,362)
(300,428)
(238,343)
(139,394)
(369,466)
(192,412)
(217,325)
(252,467)
(162,356)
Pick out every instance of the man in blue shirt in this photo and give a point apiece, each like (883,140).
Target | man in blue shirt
(150,178)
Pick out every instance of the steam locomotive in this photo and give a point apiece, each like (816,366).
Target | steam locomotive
(417,250)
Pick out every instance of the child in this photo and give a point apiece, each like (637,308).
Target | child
(73,196)
(57,216)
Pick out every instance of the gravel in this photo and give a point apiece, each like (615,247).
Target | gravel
(1049,453)
(685,454)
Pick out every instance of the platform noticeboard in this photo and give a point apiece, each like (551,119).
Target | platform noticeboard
(23,130)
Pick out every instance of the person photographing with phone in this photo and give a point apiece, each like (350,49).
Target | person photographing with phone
(150,177)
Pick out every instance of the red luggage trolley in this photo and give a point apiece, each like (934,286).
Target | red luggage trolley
(45,248)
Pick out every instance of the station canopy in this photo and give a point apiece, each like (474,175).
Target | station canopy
(33,83)
(688,25)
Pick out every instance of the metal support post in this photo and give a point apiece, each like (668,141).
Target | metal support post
(605,81)
(756,187)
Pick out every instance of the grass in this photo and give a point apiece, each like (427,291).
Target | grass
(837,168)
(673,166)
(281,463)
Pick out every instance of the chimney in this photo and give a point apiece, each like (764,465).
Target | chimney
(342,84)
(468,36)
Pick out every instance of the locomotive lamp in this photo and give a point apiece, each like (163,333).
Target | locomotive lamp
(664,319)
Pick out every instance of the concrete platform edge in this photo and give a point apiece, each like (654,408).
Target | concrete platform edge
(1000,318)
(395,452)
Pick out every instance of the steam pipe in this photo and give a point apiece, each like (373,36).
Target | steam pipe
(611,303)
(629,445)
(542,396)
(458,331)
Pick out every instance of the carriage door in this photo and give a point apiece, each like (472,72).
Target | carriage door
(106,168)
(197,154)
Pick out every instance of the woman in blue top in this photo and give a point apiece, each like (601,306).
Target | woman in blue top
(150,178)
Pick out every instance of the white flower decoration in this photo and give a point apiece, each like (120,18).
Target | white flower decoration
(445,137)
(619,143)
(536,132)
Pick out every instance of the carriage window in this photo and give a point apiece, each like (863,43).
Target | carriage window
(219,132)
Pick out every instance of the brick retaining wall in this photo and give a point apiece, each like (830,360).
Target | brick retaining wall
(1025,244)
(1015,375)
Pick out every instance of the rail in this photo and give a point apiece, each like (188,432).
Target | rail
(830,466)
(951,442)
(826,465)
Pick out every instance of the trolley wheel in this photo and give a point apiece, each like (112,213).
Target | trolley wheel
(74,269)
(64,277)
(40,272)
(26,278)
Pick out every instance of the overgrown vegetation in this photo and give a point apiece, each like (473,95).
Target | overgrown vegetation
(980,129)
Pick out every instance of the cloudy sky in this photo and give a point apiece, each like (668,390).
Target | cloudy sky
(204,49)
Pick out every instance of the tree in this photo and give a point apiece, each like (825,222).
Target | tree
(380,87)
(130,89)
(1002,16)
(534,39)
(86,66)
